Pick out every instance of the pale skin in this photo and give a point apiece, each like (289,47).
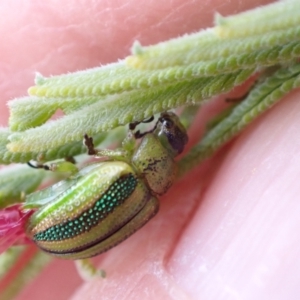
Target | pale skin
(230,228)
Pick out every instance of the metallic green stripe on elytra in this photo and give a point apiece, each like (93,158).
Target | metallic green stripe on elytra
(117,193)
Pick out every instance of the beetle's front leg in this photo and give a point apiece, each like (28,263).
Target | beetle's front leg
(117,154)
(87,269)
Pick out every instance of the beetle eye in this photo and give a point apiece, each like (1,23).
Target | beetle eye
(168,123)
(172,133)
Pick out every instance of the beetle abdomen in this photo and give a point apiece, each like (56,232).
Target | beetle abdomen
(117,193)
(90,211)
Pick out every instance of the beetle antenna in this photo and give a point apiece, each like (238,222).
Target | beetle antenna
(139,135)
(133,125)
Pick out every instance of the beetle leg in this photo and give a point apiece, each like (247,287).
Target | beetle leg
(117,154)
(38,166)
(66,166)
(87,270)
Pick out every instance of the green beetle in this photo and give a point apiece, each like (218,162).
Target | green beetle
(106,202)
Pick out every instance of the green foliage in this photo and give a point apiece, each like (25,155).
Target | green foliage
(16,182)
(261,98)
(120,110)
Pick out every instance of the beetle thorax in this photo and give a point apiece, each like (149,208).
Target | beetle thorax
(155,164)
